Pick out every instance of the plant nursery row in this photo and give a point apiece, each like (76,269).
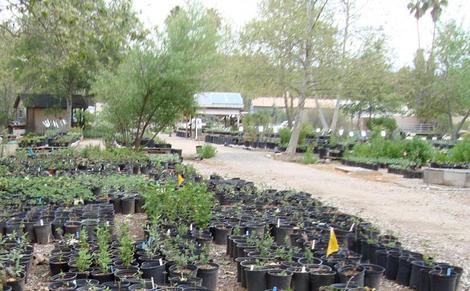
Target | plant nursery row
(276,240)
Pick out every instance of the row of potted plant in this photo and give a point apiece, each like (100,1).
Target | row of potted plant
(280,239)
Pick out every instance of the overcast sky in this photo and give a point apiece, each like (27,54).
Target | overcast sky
(390,15)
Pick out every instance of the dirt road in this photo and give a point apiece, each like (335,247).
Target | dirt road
(432,220)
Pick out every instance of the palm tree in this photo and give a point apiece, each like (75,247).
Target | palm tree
(436,6)
(416,7)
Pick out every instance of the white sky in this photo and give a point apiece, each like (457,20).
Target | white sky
(391,15)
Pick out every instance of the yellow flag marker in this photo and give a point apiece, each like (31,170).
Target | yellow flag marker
(180,180)
(333,246)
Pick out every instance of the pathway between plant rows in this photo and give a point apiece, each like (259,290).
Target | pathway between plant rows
(432,220)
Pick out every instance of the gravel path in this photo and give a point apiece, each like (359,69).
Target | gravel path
(432,220)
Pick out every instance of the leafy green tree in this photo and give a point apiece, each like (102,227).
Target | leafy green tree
(62,44)
(453,85)
(8,85)
(156,82)
(369,81)
(296,39)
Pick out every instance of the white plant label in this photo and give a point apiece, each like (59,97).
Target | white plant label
(303,269)
(191,227)
(160,261)
(153,283)
(313,244)
(278,222)
(41,222)
(252,267)
(352,227)
(168,232)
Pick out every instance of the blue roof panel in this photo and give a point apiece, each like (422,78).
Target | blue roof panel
(220,100)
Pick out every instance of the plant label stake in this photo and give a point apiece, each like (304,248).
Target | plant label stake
(168,232)
(252,267)
(191,227)
(41,222)
(303,269)
(449,272)
(153,283)
(352,227)
(160,261)
(313,244)
(278,222)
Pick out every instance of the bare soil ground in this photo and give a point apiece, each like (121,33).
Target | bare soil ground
(431,219)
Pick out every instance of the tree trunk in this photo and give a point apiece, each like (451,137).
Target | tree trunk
(294,139)
(288,109)
(460,125)
(68,101)
(334,120)
(419,34)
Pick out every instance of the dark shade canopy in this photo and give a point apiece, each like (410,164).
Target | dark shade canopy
(51,101)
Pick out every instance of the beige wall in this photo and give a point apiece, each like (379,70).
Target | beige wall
(35,117)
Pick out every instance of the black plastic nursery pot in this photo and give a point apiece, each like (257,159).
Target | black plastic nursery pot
(373,275)
(392,265)
(321,278)
(208,273)
(419,277)
(404,270)
(18,283)
(188,271)
(153,270)
(352,274)
(300,279)
(256,278)
(128,205)
(58,265)
(442,280)
(43,233)
(245,263)
(63,286)
(102,277)
(220,234)
(281,279)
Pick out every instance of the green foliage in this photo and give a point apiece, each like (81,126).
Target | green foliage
(309,157)
(84,257)
(103,258)
(46,189)
(461,151)
(284,135)
(415,150)
(62,44)
(387,123)
(207,151)
(418,151)
(191,203)
(156,82)
(305,130)
(126,245)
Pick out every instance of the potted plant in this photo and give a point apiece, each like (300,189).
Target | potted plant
(102,258)
(207,270)
(84,259)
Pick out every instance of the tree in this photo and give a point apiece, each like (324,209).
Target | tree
(62,44)
(453,85)
(8,86)
(416,8)
(369,81)
(157,80)
(300,44)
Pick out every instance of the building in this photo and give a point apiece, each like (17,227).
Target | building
(221,105)
(261,103)
(37,112)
